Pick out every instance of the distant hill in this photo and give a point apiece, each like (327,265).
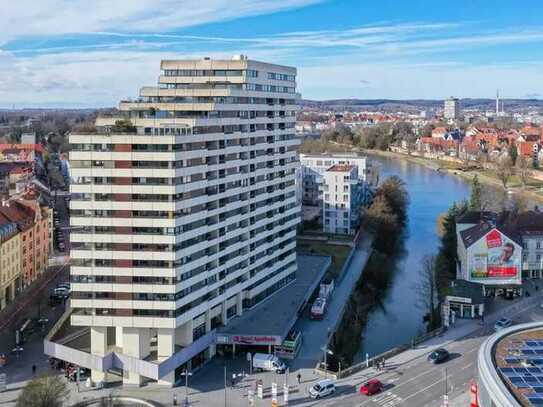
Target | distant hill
(390,105)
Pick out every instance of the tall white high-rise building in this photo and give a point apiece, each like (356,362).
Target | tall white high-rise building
(184,213)
(451,109)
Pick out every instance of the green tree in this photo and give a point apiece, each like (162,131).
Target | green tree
(383,222)
(513,153)
(475,200)
(44,391)
(123,126)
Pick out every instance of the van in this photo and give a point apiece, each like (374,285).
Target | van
(322,388)
(270,363)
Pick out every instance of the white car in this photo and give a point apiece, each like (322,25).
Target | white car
(322,388)
(502,323)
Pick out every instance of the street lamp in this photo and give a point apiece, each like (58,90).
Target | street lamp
(186,374)
(326,353)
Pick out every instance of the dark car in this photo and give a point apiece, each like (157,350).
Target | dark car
(438,356)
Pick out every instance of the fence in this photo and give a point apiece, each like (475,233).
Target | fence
(385,355)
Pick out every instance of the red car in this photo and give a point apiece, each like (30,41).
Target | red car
(372,387)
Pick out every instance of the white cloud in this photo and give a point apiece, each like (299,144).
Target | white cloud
(57,17)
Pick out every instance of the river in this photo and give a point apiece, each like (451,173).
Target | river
(399,318)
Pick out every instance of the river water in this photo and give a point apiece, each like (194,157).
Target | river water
(400,317)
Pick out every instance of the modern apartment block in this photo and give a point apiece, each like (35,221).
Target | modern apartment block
(451,109)
(183,217)
(342,197)
(315,165)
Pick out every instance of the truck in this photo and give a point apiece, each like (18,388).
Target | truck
(266,362)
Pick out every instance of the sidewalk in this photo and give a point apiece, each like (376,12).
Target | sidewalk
(315,333)
(462,328)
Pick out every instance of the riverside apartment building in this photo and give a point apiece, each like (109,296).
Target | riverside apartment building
(182,218)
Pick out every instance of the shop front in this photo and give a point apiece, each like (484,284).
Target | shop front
(464,300)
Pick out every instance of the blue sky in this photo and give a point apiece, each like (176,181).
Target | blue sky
(68,53)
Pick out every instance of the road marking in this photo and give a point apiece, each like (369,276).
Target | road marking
(387,399)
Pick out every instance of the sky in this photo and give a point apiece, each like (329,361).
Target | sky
(81,53)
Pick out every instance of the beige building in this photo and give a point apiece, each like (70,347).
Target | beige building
(10,261)
(184,217)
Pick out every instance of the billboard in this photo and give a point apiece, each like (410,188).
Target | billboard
(495,256)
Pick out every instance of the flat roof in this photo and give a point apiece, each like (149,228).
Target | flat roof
(277,315)
(341,168)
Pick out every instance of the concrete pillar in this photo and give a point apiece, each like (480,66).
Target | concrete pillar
(98,347)
(224,313)
(183,334)
(165,349)
(12,291)
(136,343)
(208,321)
(239,304)
(212,347)
(119,336)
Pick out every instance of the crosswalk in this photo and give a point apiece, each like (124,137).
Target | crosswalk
(387,399)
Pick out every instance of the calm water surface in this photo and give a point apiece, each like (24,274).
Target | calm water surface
(431,193)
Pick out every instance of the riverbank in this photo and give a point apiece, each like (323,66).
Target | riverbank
(449,168)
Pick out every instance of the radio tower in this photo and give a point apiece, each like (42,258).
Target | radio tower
(497,102)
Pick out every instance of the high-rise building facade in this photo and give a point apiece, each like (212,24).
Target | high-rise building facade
(451,109)
(184,212)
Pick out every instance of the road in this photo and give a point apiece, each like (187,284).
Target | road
(419,383)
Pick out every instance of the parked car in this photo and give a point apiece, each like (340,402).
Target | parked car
(438,356)
(61,292)
(371,387)
(322,388)
(502,323)
(64,284)
(83,374)
(270,363)
(318,309)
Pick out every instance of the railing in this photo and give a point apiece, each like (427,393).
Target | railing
(385,355)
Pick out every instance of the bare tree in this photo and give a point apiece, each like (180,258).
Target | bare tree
(44,391)
(427,287)
(504,170)
(523,170)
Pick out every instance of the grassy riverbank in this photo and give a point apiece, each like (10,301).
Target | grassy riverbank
(533,189)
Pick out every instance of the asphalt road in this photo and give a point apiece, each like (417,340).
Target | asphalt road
(420,383)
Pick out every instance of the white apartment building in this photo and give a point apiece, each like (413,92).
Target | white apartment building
(315,165)
(452,109)
(186,219)
(341,191)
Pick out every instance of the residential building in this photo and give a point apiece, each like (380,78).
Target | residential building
(342,192)
(315,165)
(32,221)
(451,109)
(186,217)
(10,261)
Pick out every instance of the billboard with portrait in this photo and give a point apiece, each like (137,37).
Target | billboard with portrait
(495,256)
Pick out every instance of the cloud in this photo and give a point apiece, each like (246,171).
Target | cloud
(533,95)
(58,17)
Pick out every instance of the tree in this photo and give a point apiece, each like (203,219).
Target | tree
(513,153)
(44,391)
(393,189)
(475,202)
(504,170)
(383,222)
(427,287)
(123,126)
(523,170)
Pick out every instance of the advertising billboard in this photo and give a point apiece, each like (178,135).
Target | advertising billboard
(495,256)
